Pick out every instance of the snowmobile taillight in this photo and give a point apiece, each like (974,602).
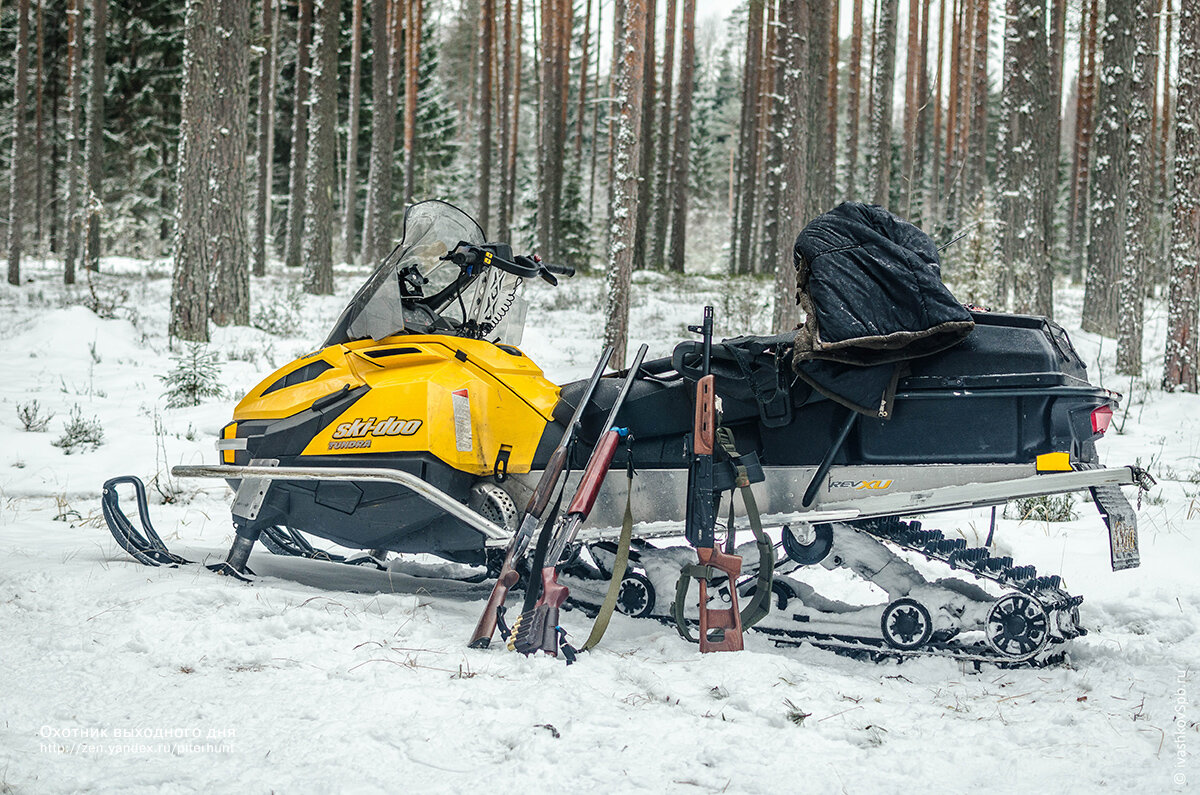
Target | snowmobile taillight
(1101,418)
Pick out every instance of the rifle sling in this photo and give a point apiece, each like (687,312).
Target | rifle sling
(619,566)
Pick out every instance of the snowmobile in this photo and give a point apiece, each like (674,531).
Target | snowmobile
(419,425)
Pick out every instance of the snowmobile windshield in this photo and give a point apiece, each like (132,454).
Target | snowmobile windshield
(414,286)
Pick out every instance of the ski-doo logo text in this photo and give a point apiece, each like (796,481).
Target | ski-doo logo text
(860,485)
(360,428)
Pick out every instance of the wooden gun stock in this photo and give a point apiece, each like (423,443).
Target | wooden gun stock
(720,628)
(481,638)
(593,476)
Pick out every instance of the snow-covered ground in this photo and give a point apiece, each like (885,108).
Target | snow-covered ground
(320,678)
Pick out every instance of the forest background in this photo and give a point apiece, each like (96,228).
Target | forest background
(1039,141)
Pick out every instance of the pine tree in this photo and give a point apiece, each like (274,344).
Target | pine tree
(320,172)
(1131,288)
(1020,170)
(487,10)
(17,199)
(1084,129)
(72,215)
(189,287)
(854,96)
(1110,182)
(94,154)
(350,191)
(266,101)
(628,48)
(793,136)
(882,82)
(662,149)
(229,252)
(377,216)
(683,136)
(297,178)
(1182,357)
(748,135)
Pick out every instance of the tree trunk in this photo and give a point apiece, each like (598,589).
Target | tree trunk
(629,66)
(833,39)
(94,155)
(486,12)
(229,248)
(1106,241)
(377,217)
(506,85)
(1182,358)
(73,220)
(1024,104)
(412,89)
(513,135)
(297,179)
(820,178)
(908,186)
(193,246)
(935,150)
(793,132)
(683,136)
(772,144)
(350,191)
(975,149)
(262,193)
(853,98)
(743,218)
(1138,233)
(17,193)
(646,158)
(320,172)
(39,133)
(662,153)
(549,160)
(1084,130)
(881,90)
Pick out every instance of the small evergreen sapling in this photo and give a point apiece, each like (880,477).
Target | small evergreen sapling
(196,375)
(80,435)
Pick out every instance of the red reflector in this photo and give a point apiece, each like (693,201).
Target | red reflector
(1101,417)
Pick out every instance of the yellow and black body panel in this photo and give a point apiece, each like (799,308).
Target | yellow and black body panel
(469,403)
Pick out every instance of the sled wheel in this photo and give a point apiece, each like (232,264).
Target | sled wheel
(636,597)
(783,594)
(1017,626)
(494,504)
(906,624)
(811,553)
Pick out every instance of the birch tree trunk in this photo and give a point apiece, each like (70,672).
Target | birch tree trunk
(320,172)
(1182,358)
(629,65)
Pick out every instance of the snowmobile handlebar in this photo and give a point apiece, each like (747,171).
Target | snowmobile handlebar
(469,256)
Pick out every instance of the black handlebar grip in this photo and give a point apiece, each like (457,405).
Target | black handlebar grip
(562,270)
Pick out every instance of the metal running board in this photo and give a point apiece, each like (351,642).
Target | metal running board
(406,479)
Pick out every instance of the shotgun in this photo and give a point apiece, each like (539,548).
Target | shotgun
(519,543)
(538,628)
(720,629)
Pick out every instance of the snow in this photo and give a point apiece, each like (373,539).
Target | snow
(324,678)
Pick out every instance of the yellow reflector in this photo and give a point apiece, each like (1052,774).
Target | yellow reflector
(229,432)
(1054,462)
